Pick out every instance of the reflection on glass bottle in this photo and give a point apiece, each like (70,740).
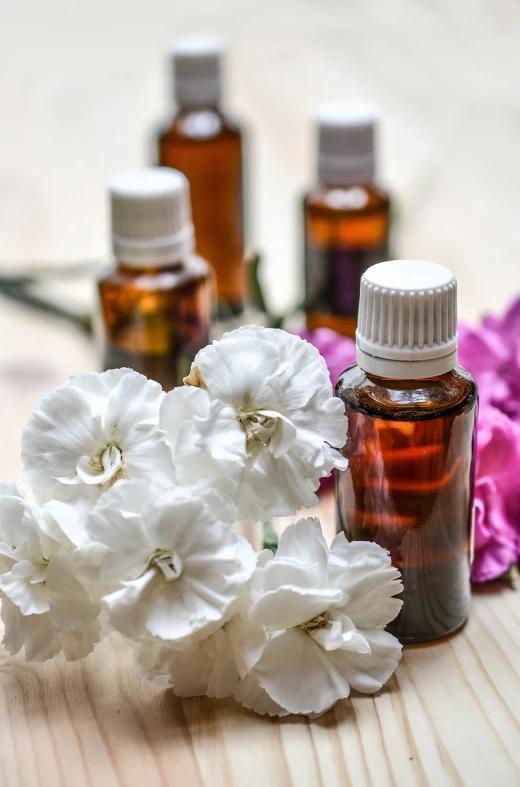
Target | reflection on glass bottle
(346,217)
(204,144)
(155,297)
(411,444)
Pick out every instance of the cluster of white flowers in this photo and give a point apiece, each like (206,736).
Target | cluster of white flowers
(138,494)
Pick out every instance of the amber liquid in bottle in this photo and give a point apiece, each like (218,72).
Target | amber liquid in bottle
(207,147)
(155,320)
(409,488)
(346,230)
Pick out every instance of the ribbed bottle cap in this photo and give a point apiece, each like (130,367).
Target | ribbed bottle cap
(346,142)
(407,323)
(197,62)
(151,216)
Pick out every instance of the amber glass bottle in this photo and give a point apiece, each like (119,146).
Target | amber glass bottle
(155,297)
(411,443)
(346,217)
(204,144)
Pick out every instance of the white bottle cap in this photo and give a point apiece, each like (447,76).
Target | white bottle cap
(346,142)
(197,70)
(151,216)
(407,323)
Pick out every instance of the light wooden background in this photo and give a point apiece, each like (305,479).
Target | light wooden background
(81,86)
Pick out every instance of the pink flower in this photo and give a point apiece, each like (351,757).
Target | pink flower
(491,353)
(497,495)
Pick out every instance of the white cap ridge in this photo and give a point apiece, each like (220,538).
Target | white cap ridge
(151,217)
(407,322)
(346,142)
(197,67)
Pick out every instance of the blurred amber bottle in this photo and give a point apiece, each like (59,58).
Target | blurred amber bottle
(204,144)
(155,297)
(346,216)
(411,415)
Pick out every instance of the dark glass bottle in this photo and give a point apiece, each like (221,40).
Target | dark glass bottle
(411,414)
(155,320)
(155,297)
(409,488)
(205,145)
(346,217)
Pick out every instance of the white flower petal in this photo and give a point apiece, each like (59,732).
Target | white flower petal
(29,597)
(65,519)
(78,644)
(364,571)
(70,606)
(180,406)
(298,675)
(369,672)
(292,606)
(116,521)
(233,372)
(206,668)
(304,544)
(33,632)
(128,607)
(284,434)
(149,458)
(252,696)
(17,517)
(60,431)
(247,641)
(134,400)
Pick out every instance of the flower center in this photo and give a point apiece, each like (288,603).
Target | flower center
(256,426)
(319,622)
(169,562)
(102,469)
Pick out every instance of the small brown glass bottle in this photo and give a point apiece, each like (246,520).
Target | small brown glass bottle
(204,144)
(411,443)
(346,217)
(155,297)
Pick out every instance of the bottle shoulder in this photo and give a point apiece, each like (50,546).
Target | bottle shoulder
(192,269)
(355,199)
(407,400)
(201,123)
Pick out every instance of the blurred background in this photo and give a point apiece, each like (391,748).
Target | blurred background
(83,88)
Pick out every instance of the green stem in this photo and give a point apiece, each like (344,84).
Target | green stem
(270,540)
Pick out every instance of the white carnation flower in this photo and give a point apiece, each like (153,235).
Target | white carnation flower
(45,608)
(184,415)
(92,431)
(263,423)
(325,612)
(212,667)
(176,565)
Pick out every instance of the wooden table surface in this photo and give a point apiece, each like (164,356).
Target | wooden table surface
(80,87)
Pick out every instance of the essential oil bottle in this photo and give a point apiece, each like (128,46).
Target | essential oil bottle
(346,216)
(204,144)
(155,296)
(411,443)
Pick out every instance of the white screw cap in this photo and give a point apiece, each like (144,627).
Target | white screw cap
(407,322)
(197,66)
(151,216)
(346,142)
